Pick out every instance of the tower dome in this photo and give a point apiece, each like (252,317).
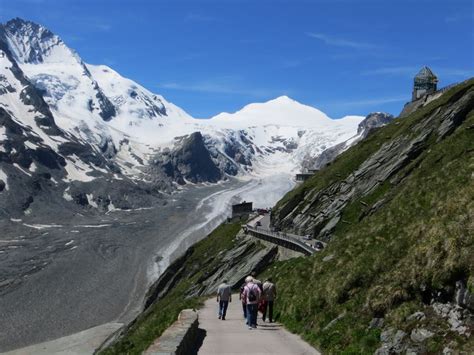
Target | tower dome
(425,82)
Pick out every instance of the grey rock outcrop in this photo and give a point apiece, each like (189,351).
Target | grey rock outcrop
(463,297)
(417,316)
(237,263)
(419,335)
(188,160)
(374,120)
(392,342)
(459,319)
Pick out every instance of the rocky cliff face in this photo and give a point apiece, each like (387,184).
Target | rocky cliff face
(373,120)
(189,160)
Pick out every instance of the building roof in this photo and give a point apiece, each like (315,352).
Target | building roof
(425,73)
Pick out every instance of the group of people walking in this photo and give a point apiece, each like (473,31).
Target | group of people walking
(254,295)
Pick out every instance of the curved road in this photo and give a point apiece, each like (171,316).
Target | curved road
(233,337)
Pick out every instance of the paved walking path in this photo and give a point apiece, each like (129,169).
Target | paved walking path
(232,336)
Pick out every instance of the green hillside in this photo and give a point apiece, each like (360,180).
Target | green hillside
(403,246)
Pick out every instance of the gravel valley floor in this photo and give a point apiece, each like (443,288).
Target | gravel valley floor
(61,277)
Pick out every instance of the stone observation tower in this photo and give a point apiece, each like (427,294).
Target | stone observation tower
(425,83)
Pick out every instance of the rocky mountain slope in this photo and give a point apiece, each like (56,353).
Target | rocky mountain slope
(37,157)
(396,210)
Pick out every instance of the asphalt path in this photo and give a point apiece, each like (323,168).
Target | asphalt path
(232,336)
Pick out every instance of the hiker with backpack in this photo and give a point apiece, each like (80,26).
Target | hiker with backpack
(224,296)
(252,296)
(257,282)
(269,295)
(261,304)
(242,299)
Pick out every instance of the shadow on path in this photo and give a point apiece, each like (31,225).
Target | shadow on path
(201,334)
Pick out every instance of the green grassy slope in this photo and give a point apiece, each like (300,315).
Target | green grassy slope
(390,263)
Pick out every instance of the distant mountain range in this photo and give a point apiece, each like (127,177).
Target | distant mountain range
(65,124)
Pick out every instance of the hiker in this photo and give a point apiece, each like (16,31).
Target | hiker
(242,299)
(255,281)
(252,295)
(269,295)
(224,296)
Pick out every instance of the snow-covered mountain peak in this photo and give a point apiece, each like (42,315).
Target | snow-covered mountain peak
(31,43)
(282,111)
(285,100)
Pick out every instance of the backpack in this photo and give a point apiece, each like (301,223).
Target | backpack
(252,295)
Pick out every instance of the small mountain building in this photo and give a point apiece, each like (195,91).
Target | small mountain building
(242,209)
(425,82)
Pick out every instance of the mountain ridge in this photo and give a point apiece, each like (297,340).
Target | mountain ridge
(396,210)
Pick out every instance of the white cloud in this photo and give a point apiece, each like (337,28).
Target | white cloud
(364,102)
(402,70)
(340,42)
(455,72)
(412,70)
(220,86)
(93,23)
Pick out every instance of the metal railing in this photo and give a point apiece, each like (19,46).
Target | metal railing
(282,237)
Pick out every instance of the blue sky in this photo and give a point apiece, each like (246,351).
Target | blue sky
(341,56)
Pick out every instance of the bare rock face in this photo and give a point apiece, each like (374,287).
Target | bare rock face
(326,157)
(188,160)
(374,120)
(236,262)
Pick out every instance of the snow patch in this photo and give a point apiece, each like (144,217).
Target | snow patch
(31,145)
(67,196)
(77,170)
(93,225)
(3,133)
(90,200)
(21,169)
(42,226)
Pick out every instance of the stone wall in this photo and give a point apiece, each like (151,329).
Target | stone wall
(180,338)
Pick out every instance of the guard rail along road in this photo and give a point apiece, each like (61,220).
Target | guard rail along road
(280,238)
